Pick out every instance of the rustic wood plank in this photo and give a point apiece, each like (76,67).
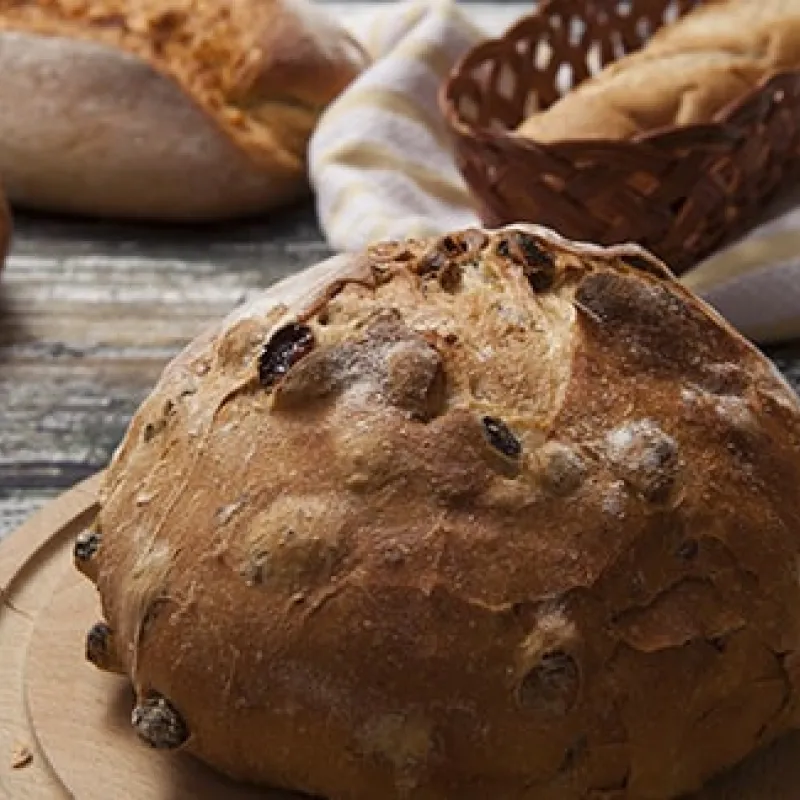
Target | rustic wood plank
(17,505)
(89,314)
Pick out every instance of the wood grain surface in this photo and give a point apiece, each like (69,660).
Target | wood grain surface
(89,314)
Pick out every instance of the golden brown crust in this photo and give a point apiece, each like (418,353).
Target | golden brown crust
(498,515)
(263,69)
(688,72)
(225,94)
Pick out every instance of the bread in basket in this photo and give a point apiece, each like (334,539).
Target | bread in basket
(682,190)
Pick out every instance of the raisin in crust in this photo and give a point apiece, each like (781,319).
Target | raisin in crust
(497,515)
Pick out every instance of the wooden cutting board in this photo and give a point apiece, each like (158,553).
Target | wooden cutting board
(64,726)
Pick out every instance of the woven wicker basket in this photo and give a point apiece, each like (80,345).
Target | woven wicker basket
(681,192)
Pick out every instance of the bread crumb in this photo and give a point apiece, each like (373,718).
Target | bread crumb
(21,757)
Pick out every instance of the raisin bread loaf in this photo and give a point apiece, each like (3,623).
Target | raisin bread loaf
(498,515)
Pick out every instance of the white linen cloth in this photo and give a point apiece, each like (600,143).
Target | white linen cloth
(381,165)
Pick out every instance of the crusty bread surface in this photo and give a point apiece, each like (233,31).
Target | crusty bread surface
(497,515)
(169,109)
(687,73)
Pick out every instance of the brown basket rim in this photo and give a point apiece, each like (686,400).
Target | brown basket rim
(708,136)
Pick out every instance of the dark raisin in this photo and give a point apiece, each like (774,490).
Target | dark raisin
(447,253)
(540,266)
(453,246)
(551,687)
(719,643)
(286,347)
(537,263)
(535,254)
(540,280)
(431,263)
(688,550)
(152,429)
(450,277)
(97,644)
(511,247)
(501,438)
(159,724)
(87,543)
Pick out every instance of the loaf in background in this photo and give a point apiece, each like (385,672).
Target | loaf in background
(164,109)
(688,72)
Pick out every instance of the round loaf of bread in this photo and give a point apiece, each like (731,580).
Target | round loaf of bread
(180,110)
(497,515)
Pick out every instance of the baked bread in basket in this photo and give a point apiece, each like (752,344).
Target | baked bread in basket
(666,123)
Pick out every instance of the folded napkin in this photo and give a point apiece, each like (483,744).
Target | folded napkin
(382,168)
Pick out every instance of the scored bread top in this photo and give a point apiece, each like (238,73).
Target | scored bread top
(493,515)
(263,70)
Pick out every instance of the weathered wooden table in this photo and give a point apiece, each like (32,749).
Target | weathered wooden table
(89,314)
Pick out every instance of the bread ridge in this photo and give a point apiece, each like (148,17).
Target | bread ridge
(491,515)
(687,73)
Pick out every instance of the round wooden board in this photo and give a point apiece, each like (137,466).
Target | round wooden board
(74,720)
